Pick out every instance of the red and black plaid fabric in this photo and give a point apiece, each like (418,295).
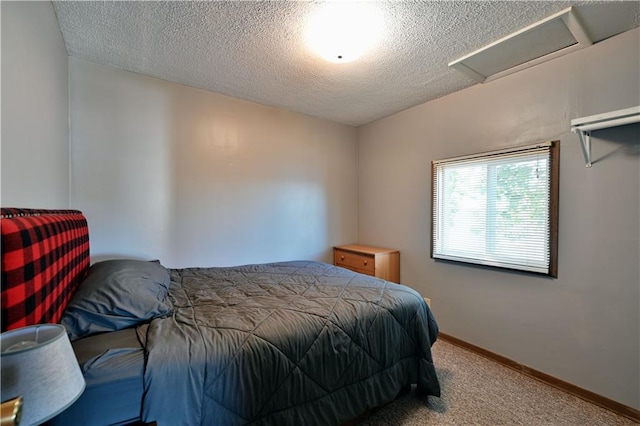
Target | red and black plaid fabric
(45,255)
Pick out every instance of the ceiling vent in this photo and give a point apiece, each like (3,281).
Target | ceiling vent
(550,38)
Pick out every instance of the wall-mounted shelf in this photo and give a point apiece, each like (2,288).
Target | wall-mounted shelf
(585,125)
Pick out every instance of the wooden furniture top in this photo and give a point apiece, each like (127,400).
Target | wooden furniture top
(365,249)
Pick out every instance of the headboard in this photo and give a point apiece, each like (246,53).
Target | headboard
(45,255)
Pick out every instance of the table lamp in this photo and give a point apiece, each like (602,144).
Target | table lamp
(39,365)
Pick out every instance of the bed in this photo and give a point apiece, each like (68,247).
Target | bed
(297,342)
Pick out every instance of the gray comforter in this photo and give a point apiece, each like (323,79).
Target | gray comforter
(293,343)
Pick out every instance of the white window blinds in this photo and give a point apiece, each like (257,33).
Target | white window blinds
(496,209)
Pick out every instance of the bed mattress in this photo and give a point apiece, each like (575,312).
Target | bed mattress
(273,344)
(113,368)
(286,343)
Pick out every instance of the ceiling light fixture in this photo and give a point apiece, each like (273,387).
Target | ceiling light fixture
(341,31)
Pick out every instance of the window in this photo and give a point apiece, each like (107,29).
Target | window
(498,208)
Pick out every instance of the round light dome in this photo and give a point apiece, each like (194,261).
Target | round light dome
(342,31)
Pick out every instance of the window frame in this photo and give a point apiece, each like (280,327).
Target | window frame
(554,185)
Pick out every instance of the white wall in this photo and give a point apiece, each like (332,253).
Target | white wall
(194,178)
(584,326)
(35,108)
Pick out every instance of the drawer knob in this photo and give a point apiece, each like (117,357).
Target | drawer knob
(342,257)
(365,262)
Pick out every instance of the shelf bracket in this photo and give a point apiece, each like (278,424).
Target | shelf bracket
(585,143)
(583,126)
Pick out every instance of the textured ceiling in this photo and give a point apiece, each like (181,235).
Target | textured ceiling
(256,50)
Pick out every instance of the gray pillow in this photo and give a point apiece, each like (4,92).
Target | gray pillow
(117,294)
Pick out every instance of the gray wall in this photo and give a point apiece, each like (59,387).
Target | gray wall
(195,178)
(584,326)
(35,108)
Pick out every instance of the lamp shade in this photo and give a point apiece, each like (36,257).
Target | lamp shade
(38,364)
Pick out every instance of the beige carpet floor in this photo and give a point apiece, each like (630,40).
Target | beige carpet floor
(479,391)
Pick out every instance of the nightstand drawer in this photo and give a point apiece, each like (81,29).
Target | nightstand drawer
(375,261)
(360,262)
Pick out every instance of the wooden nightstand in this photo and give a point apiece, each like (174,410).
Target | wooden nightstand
(376,261)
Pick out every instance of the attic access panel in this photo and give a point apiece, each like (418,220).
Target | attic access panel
(550,38)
